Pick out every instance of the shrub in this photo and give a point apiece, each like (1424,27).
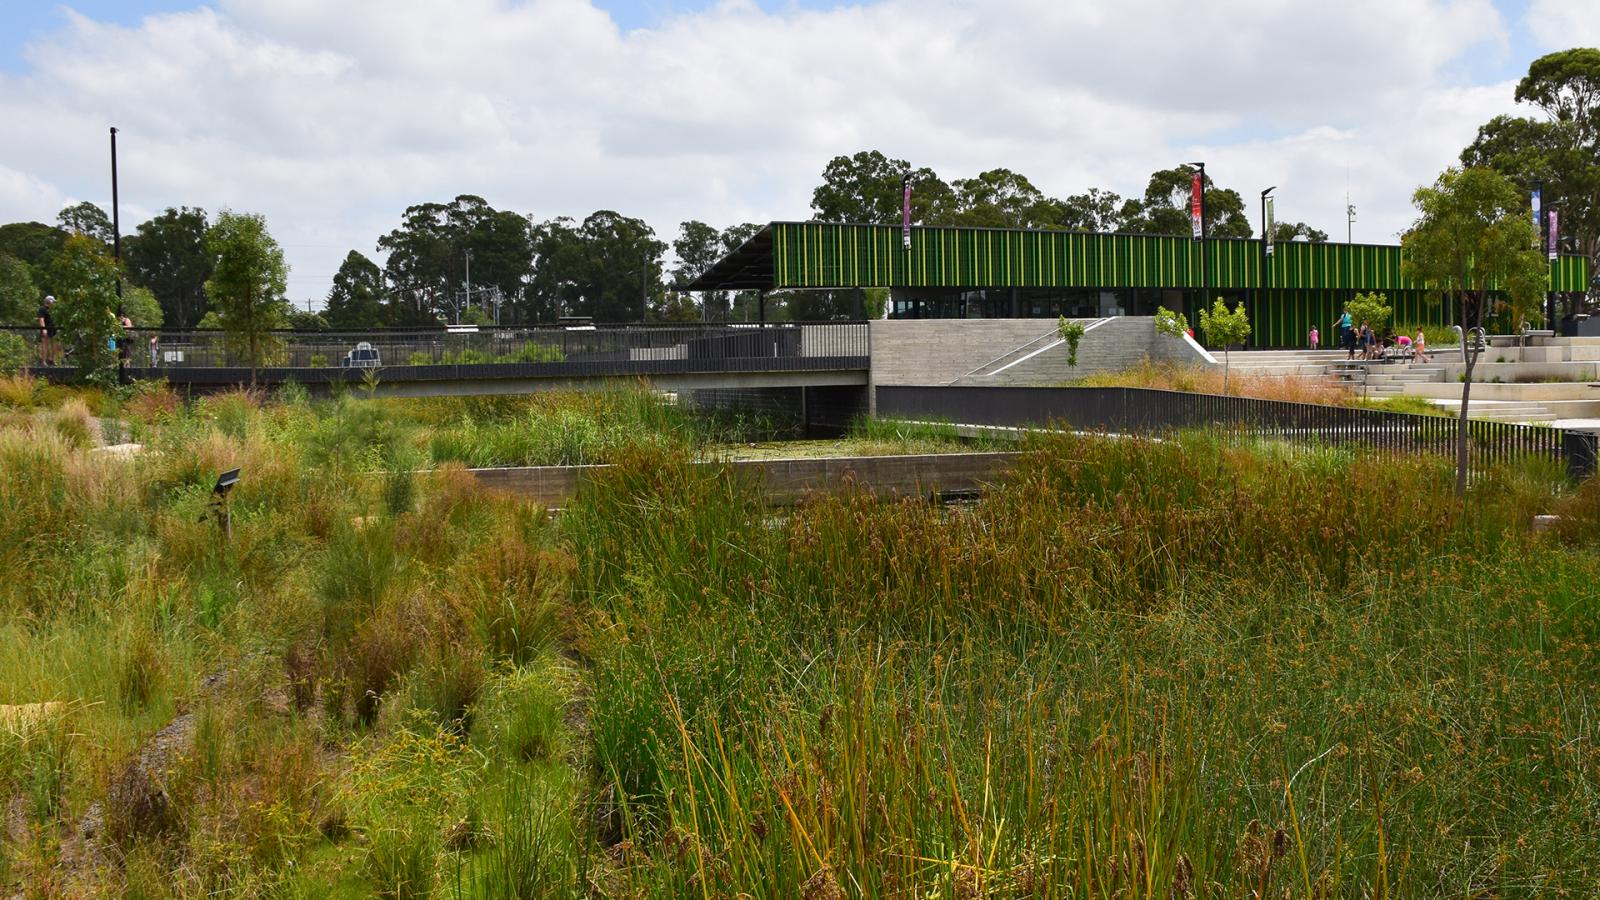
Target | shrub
(152,402)
(523,714)
(18,391)
(140,670)
(402,857)
(15,354)
(74,422)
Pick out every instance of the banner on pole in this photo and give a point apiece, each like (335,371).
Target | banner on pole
(1555,235)
(905,213)
(1271,224)
(1538,218)
(1195,206)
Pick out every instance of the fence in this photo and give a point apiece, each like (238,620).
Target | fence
(1152,411)
(486,352)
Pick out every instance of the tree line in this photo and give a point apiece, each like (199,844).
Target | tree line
(468,262)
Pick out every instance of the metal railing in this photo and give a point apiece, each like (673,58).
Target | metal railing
(1154,411)
(487,352)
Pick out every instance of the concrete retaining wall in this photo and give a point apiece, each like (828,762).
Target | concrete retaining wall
(945,351)
(787,481)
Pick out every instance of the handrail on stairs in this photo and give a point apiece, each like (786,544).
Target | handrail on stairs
(1017,349)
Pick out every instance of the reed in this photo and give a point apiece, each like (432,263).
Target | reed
(1195,667)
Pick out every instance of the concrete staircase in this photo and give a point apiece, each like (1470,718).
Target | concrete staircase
(1381,381)
(1044,343)
(1109,345)
(1502,410)
(1285,362)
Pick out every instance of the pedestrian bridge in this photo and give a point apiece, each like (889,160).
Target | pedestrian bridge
(466,361)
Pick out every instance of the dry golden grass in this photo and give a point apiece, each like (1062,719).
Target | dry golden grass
(1195,380)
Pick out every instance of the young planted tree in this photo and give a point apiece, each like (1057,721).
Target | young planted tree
(1071,331)
(1224,327)
(1373,309)
(1473,234)
(247,282)
(84,278)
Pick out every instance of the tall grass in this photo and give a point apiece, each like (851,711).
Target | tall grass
(1173,377)
(1138,669)
(1197,667)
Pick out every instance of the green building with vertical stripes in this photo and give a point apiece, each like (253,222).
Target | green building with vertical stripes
(954,272)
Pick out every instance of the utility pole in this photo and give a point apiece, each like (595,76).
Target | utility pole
(469,287)
(116,219)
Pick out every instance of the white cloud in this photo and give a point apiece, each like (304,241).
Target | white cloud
(330,118)
(1564,23)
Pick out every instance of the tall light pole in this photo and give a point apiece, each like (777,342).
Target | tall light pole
(1264,211)
(1266,248)
(116,219)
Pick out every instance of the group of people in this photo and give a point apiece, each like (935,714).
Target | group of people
(1366,341)
(50,348)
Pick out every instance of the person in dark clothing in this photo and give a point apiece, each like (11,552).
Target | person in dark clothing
(47,332)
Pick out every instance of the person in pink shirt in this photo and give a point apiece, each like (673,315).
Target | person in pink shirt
(1312,337)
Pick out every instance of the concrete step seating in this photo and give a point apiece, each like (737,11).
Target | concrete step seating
(1502,410)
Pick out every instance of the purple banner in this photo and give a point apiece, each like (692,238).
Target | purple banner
(905,213)
(1555,235)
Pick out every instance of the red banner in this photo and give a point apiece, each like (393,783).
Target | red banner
(1196,204)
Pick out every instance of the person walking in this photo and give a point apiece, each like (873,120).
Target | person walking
(1420,346)
(1312,337)
(1347,335)
(47,332)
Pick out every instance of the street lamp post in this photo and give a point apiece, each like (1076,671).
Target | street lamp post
(1266,248)
(1264,213)
(116,218)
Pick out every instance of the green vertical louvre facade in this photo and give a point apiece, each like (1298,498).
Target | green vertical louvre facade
(1301,285)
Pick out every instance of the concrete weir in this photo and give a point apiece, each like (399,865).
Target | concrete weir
(788,481)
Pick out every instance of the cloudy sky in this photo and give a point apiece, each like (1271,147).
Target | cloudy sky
(331,117)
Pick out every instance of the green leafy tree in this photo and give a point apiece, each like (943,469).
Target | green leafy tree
(84,278)
(168,255)
(1473,233)
(1071,331)
(35,244)
(1095,211)
(296,319)
(1373,309)
(439,246)
(1284,232)
(1560,151)
(356,299)
(247,282)
(141,306)
(1001,198)
(18,296)
(866,189)
(698,246)
(1225,327)
(1171,323)
(607,267)
(1566,85)
(88,220)
(1165,207)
